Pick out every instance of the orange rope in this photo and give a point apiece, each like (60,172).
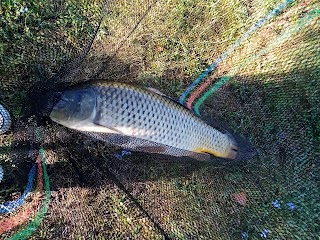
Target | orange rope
(199,90)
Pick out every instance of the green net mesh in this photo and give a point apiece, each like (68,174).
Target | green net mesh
(253,64)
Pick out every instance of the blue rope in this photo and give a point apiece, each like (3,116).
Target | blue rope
(252,29)
(12,205)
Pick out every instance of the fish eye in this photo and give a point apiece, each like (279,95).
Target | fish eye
(62,104)
(64,97)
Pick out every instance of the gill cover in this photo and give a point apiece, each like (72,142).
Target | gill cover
(74,106)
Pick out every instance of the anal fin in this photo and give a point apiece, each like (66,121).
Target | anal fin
(153,149)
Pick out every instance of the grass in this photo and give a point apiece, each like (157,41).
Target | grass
(272,100)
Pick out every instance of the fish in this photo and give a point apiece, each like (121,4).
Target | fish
(141,119)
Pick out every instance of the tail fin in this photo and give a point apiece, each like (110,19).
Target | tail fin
(241,149)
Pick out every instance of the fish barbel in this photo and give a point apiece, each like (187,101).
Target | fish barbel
(142,120)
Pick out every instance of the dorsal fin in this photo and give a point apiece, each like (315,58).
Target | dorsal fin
(156,91)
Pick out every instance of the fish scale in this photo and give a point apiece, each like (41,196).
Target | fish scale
(142,112)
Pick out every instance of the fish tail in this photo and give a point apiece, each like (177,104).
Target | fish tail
(233,147)
(241,149)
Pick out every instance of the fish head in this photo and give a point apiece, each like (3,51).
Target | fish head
(74,107)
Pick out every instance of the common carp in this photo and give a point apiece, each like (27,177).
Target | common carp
(142,120)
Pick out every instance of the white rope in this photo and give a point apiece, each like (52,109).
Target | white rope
(5,120)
